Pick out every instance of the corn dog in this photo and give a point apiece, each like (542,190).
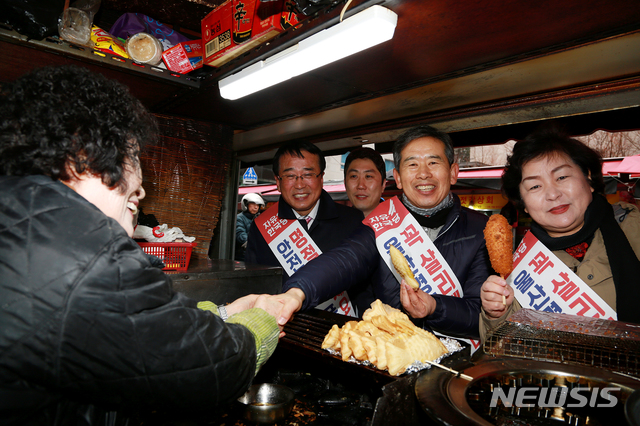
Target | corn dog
(402,266)
(497,234)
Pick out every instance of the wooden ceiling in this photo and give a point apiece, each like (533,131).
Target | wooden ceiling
(463,65)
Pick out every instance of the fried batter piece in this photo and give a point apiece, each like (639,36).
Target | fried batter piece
(345,348)
(497,234)
(332,339)
(386,338)
(402,266)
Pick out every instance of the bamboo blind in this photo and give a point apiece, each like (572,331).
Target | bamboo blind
(184,176)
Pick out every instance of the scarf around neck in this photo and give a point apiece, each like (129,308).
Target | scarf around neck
(625,266)
(249,215)
(430,218)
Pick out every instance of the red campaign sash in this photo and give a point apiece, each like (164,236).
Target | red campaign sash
(543,282)
(292,245)
(394,225)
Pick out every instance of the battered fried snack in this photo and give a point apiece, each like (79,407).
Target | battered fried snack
(402,266)
(497,234)
(386,338)
(332,339)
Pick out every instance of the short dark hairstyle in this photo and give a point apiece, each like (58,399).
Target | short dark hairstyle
(423,131)
(546,142)
(295,148)
(56,117)
(366,154)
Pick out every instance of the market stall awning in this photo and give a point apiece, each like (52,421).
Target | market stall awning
(259,189)
(630,165)
(609,167)
(481,173)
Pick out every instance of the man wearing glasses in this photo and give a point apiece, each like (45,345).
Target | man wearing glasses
(306,221)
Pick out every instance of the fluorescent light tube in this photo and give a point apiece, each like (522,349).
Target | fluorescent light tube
(358,32)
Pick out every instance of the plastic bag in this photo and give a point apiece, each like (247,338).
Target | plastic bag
(105,42)
(160,234)
(309,7)
(130,24)
(35,19)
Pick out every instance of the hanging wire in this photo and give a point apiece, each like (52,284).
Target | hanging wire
(344,9)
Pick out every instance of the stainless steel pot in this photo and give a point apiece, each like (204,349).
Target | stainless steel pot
(267,403)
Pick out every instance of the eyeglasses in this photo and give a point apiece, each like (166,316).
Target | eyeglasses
(306,178)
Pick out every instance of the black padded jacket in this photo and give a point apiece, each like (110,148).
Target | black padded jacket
(88,325)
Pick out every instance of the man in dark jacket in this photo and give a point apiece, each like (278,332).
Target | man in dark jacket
(89,328)
(425,171)
(251,204)
(298,168)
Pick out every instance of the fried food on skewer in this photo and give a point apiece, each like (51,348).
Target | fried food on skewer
(402,266)
(499,238)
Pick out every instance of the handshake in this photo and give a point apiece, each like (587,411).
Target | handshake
(280,306)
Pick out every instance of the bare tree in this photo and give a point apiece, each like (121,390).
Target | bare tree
(617,144)
(490,155)
(485,154)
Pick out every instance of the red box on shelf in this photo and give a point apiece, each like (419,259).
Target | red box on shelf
(237,26)
(175,256)
(184,57)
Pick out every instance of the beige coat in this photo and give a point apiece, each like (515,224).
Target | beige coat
(594,269)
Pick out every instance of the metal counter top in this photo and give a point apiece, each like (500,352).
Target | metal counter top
(223,281)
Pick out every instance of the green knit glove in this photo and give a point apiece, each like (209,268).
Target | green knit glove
(264,329)
(208,306)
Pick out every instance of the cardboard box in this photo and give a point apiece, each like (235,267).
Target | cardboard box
(244,12)
(216,30)
(237,26)
(184,57)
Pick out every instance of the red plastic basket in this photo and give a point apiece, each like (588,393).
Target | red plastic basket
(175,256)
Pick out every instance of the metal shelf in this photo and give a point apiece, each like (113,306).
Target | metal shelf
(64,48)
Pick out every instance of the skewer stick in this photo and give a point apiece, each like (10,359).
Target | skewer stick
(457,373)
(504,299)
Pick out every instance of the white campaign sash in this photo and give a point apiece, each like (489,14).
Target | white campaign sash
(292,245)
(543,282)
(394,225)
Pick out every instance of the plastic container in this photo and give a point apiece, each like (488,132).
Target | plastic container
(75,23)
(144,48)
(175,256)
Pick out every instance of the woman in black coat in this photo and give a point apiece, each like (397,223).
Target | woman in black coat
(87,324)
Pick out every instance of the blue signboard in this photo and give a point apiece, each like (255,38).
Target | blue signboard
(250,177)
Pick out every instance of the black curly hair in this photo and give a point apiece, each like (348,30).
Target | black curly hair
(547,141)
(58,116)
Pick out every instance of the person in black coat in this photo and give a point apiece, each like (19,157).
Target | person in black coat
(90,329)
(424,170)
(298,168)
